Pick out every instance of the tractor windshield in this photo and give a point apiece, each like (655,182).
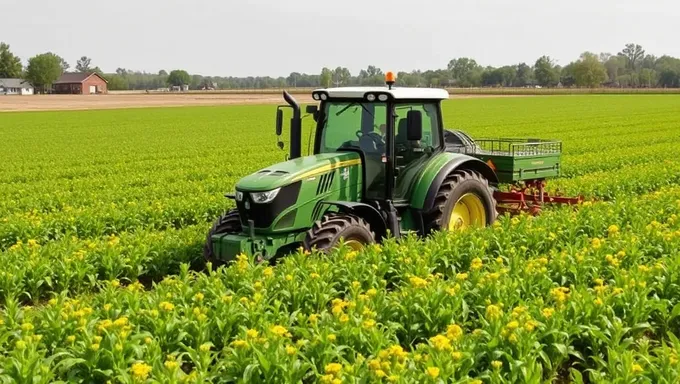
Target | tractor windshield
(353,124)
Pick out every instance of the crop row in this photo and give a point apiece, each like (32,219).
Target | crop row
(591,293)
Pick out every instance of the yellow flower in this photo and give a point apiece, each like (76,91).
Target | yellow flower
(636,368)
(368,323)
(289,277)
(496,364)
(596,243)
(140,371)
(268,272)
(333,368)
(171,365)
(164,305)
(417,281)
(356,284)
(20,345)
(456,355)
(598,301)
(115,283)
(440,343)
(513,338)
(433,372)
(314,275)
(476,264)
(252,333)
(290,350)
(331,338)
(279,330)
(617,291)
(461,276)
(454,332)
(119,347)
(548,312)
(204,347)
(493,312)
(530,325)
(380,373)
(313,318)
(121,322)
(327,379)
(371,292)
(94,347)
(238,343)
(613,230)
(71,339)
(476,381)
(351,255)
(199,296)
(148,340)
(513,325)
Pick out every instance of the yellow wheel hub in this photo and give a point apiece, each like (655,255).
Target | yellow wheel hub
(355,245)
(467,212)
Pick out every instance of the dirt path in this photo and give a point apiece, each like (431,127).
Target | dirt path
(113,101)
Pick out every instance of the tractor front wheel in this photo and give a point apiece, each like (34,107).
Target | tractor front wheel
(326,233)
(464,199)
(229,222)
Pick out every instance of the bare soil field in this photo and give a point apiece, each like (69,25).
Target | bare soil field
(114,101)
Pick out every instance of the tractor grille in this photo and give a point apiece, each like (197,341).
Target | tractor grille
(263,215)
(325,183)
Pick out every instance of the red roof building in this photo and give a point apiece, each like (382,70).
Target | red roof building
(81,84)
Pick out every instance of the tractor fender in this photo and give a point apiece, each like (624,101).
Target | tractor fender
(457,163)
(366,212)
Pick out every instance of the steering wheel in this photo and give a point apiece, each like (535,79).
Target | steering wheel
(375,137)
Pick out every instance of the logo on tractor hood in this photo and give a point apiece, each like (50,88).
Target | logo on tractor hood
(345,173)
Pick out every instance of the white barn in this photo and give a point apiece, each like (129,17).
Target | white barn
(15,87)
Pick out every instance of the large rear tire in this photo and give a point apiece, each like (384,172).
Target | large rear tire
(229,222)
(464,199)
(326,233)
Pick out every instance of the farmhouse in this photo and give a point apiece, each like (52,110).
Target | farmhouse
(15,87)
(81,84)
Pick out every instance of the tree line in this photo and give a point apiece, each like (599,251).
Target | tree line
(632,66)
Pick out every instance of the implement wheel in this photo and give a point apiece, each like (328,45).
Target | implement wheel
(326,233)
(229,222)
(464,200)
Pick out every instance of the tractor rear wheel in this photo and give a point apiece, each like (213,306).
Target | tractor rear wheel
(464,199)
(326,233)
(229,222)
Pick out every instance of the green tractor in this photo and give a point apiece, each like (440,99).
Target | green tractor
(382,165)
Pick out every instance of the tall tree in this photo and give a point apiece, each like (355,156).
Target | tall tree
(462,68)
(524,75)
(179,77)
(44,69)
(121,71)
(83,64)
(10,65)
(341,76)
(162,72)
(64,65)
(633,54)
(545,72)
(589,71)
(615,66)
(326,77)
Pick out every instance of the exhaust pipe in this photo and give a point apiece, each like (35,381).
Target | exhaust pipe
(295,127)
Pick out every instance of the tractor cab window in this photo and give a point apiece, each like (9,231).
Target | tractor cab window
(410,156)
(353,124)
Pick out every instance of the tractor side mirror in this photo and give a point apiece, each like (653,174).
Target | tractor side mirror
(314,111)
(414,125)
(279,122)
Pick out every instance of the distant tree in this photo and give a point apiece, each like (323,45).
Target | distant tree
(117,82)
(525,75)
(545,72)
(461,69)
(633,54)
(64,65)
(44,69)
(10,65)
(162,72)
(615,67)
(179,77)
(589,71)
(83,64)
(341,76)
(326,77)
(121,71)
(567,76)
(292,79)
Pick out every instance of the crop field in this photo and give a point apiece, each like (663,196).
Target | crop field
(103,215)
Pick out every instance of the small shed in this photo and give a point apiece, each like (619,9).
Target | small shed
(15,87)
(81,84)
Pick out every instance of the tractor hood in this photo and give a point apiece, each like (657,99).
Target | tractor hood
(291,171)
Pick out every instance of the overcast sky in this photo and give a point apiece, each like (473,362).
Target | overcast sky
(276,37)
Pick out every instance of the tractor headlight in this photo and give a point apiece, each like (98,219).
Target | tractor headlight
(239,196)
(370,97)
(264,197)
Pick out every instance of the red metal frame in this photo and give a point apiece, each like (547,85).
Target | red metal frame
(529,197)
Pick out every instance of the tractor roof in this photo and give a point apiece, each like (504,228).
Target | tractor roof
(396,92)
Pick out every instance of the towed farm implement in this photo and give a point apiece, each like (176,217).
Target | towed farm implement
(382,165)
